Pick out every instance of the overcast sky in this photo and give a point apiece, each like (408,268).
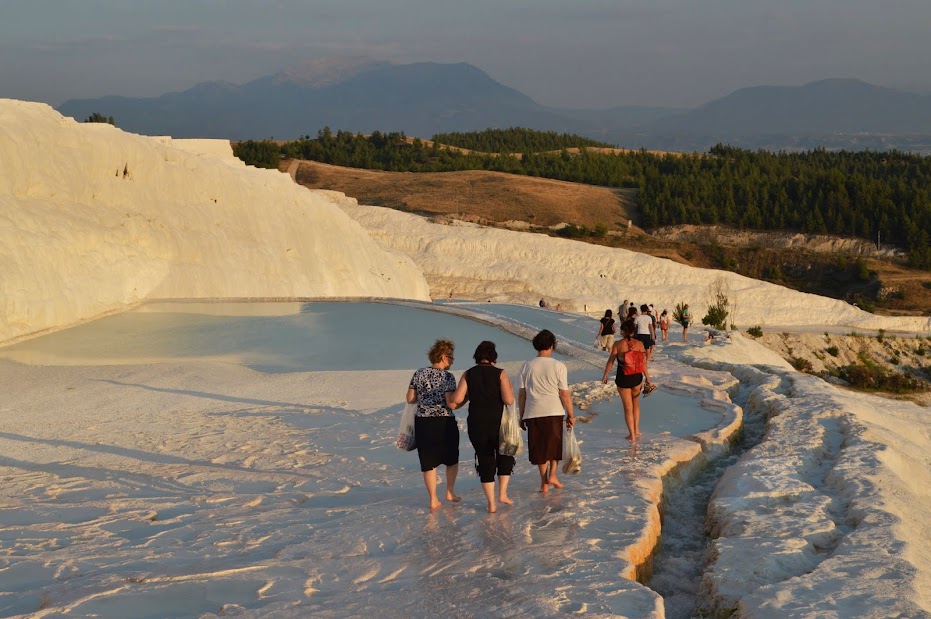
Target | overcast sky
(562,53)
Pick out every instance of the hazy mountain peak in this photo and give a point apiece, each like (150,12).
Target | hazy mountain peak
(328,71)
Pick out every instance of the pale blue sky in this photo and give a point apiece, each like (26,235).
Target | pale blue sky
(563,53)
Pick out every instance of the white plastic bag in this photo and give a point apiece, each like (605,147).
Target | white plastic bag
(510,442)
(571,454)
(406,431)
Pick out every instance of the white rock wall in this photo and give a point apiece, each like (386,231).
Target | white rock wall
(502,265)
(93,220)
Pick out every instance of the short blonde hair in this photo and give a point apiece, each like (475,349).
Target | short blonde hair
(440,348)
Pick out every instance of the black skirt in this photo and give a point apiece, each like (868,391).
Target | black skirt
(437,441)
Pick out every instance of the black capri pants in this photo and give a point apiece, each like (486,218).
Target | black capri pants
(484,434)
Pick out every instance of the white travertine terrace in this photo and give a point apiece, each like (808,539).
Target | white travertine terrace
(94,220)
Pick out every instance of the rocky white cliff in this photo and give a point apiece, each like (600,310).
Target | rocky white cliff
(94,220)
(468,261)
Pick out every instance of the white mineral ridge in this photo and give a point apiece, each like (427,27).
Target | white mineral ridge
(828,516)
(94,220)
(503,265)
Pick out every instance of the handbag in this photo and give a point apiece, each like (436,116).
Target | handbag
(510,442)
(406,440)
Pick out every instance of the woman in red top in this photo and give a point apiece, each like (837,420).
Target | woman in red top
(628,385)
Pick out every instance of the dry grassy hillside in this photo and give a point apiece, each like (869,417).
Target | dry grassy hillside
(485,197)
(521,202)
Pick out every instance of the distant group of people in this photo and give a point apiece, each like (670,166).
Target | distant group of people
(646,322)
(543,400)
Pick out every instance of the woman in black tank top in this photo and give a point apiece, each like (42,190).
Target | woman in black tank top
(487,389)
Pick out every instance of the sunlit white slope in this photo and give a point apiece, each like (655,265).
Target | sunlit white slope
(93,219)
(484,263)
(828,516)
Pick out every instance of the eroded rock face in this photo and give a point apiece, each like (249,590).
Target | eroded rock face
(790,240)
(93,220)
(473,262)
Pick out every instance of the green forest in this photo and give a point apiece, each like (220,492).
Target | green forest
(870,195)
(516,140)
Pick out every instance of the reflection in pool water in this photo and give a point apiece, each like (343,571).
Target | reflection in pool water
(661,412)
(269,337)
(296,337)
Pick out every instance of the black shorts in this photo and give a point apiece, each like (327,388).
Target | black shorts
(647,340)
(628,381)
(437,441)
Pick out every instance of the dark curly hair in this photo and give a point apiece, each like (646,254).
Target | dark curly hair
(544,339)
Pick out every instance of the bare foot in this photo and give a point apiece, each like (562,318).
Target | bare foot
(452,497)
(506,500)
(492,508)
(629,437)
(436,505)
(545,488)
(555,483)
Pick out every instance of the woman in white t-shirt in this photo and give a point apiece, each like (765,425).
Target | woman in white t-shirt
(542,398)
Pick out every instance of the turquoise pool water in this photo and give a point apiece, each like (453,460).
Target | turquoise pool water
(269,337)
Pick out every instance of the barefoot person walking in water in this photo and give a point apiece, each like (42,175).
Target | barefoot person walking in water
(487,389)
(542,398)
(628,385)
(435,429)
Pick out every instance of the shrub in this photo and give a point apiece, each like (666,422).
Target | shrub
(926,285)
(756,331)
(573,231)
(802,365)
(97,117)
(600,231)
(921,351)
(261,154)
(677,313)
(895,360)
(874,378)
(881,335)
(832,350)
(718,307)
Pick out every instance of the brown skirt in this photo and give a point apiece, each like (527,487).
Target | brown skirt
(544,439)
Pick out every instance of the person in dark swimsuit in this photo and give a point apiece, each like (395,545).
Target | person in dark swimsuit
(487,389)
(628,385)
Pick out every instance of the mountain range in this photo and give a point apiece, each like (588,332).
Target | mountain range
(423,99)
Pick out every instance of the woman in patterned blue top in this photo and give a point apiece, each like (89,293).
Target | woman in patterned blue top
(435,428)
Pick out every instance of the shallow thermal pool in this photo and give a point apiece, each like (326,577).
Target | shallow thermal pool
(298,337)
(269,337)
